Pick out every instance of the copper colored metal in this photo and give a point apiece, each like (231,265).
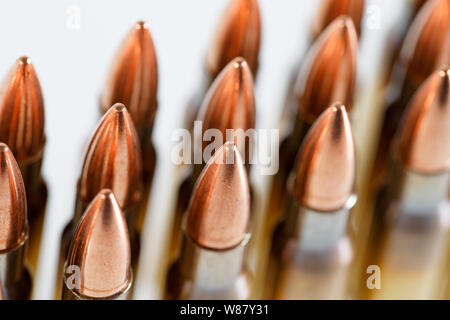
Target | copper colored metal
(426,125)
(311,252)
(133,77)
(112,161)
(329,71)
(427,44)
(101,250)
(325,174)
(211,263)
(237,35)
(219,210)
(331,9)
(22,128)
(13,229)
(133,81)
(22,111)
(229,104)
(13,219)
(426,49)
(397,37)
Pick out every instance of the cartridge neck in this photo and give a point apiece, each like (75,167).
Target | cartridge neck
(419,194)
(318,231)
(212,270)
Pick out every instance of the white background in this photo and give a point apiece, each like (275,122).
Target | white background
(72,64)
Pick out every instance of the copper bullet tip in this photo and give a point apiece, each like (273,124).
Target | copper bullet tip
(101,249)
(22,111)
(230,101)
(219,209)
(133,76)
(325,176)
(423,138)
(13,203)
(427,44)
(141,25)
(238,34)
(113,159)
(331,9)
(329,72)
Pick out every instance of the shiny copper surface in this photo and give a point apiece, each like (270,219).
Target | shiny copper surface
(427,43)
(329,72)
(13,205)
(230,101)
(22,111)
(113,159)
(101,248)
(424,137)
(219,210)
(331,9)
(326,172)
(133,76)
(237,35)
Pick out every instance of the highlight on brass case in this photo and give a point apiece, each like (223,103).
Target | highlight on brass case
(347,100)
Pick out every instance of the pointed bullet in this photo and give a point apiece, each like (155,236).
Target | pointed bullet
(211,264)
(230,102)
(219,210)
(113,160)
(329,72)
(427,43)
(13,210)
(22,111)
(325,175)
(423,138)
(13,229)
(101,250)
(22,128)
(237,35)
(133,77)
